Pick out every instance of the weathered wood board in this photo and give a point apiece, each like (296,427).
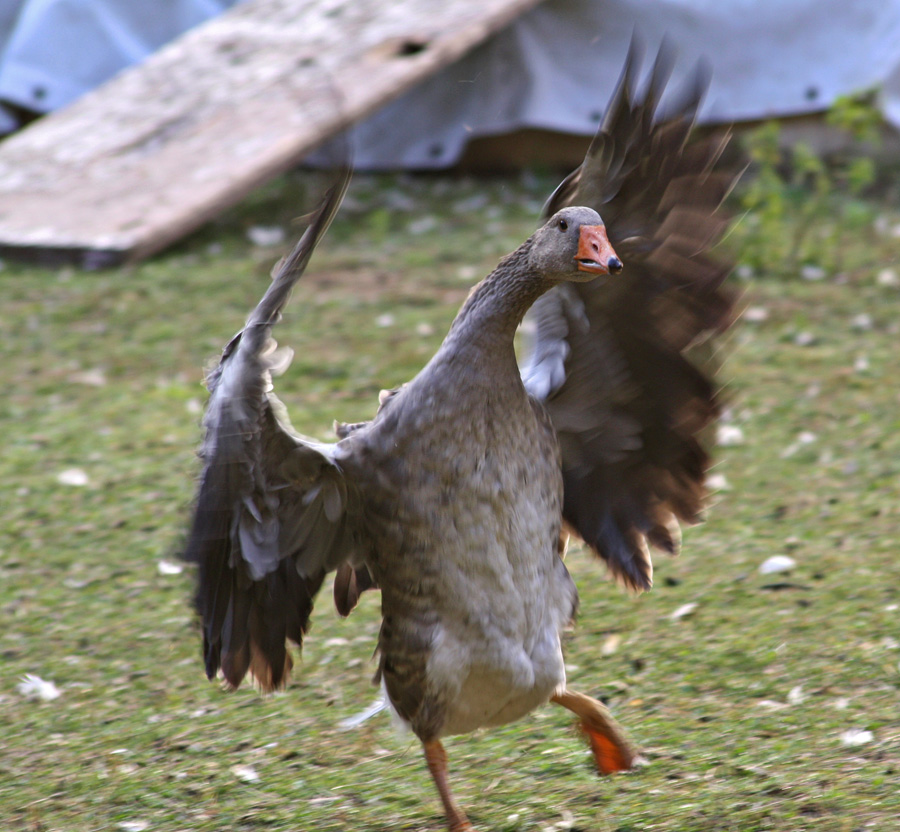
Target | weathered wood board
(165,146)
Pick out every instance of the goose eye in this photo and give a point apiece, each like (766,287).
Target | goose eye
(563,225)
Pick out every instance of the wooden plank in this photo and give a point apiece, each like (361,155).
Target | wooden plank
(165,146)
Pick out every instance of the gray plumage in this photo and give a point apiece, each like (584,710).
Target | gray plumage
(451,500)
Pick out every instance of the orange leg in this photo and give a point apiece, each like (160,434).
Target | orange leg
(436,758)
(612,751)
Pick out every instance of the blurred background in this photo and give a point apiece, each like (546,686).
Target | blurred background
(760,676)
(545,71)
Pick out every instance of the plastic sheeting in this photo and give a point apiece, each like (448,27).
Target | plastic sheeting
(52,51)
(554,68)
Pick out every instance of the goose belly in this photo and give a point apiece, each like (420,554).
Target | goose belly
(474,594)
(486,677)
(502,600)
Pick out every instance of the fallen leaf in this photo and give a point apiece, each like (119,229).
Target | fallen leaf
(567,822)
(862,322)
(804,438)
(92,378)
(358,719)
(246,773)
(777,563)
(796,696)
(422,225)
(812,273)
(756,314)
(729,435)
(683,611)
(72,476)
(398,200)
(610,644)
(35,688)
(856,736)
(263,235)
(470,204)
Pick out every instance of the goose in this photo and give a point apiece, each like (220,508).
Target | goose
(456,498)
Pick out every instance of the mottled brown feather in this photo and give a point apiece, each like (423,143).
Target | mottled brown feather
(629,403)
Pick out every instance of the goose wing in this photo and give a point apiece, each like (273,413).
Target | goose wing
(614,361)
(274,511)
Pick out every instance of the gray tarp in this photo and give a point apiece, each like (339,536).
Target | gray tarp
(556,67)
(553,68)
(52,51)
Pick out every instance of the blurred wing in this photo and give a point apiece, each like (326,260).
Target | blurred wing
(274,511)
(610,357)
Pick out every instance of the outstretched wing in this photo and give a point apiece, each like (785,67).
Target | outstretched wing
(274,512)
(610,359)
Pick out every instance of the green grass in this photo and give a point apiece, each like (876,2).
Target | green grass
(139,739)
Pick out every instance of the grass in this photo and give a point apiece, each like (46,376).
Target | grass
(739,706)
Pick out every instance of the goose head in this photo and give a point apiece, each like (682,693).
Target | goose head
(573,245)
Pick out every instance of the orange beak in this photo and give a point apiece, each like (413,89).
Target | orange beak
(595,254)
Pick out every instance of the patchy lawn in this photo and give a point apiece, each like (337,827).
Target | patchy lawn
(773,704)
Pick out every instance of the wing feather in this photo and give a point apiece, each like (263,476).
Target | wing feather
(274,512)
(615,362)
